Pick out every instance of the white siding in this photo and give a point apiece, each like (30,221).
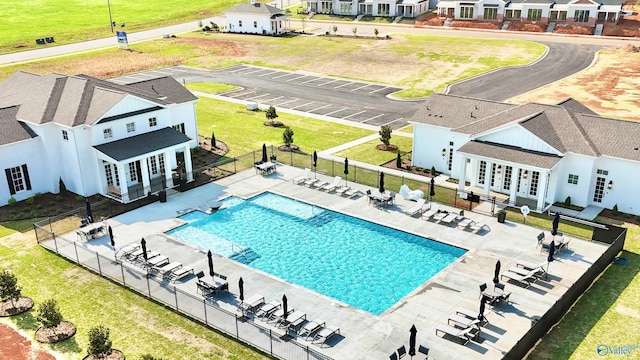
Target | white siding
(520,137)
(27,152)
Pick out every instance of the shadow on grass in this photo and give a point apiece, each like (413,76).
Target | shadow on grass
(67,346)
(26,321)
(568,334)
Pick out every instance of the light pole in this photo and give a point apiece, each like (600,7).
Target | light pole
(110,19)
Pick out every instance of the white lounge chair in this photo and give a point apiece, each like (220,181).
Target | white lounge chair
(180,273)
(463,334)
(309,329)
(417,208)
(538,272)
(477,226)
(471,314)
(342,189)
(265,310)
(530,265)
(431,212)
(333,185)
(352,192)
(524,280)
(324,334)
(439,216)
(409,194)
(464,223)
(293,320)
(463,320)
(303,177)
(252,303)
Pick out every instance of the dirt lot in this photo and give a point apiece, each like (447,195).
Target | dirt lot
(611,87)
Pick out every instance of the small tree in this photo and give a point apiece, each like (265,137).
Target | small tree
(375,32)
(567,201)
(213,140)
(9,289)
(399,161)
(49,315)
(271,114)
(287,136)
(99,343)
(63,188)
(149,357)
(615,209)
(335,29)
(385,134)
(354,31)
(433,171)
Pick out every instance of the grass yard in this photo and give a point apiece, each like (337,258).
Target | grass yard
(78,20)
(137,326)
(210,88)
(368,153)
(243,130)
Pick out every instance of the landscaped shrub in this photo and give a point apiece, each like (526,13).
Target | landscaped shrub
(615,209)
(12,201)
(206,28)
(79,197)
(213,140)
(63,188)
(149,357)
(433,171)
(271,115)
(287,136)
(38,194)
(399,161)
(99,342)
(385,134)
(567,201)
(49,315)
(9,288)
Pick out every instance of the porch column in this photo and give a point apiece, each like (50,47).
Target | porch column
(167,170)
(487,178)
(146,184)
(188,168)
(124,189)
(463,172)
(542,185)
(515,178)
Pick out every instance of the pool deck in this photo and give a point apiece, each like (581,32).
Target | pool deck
(363,335)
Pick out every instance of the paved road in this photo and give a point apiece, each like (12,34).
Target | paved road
(561,61)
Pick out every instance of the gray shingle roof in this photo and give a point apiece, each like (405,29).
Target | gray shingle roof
(142,144)
(510,153)
(567,126)
(257,8)
(80,99)
(12,130)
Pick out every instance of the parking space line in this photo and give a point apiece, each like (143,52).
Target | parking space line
(392,121)
(320,108)
(270,100)
(371,118)
(361,87)
(136,78)
(374,91)
(312,80)
(333,112)
(358,113)
(296,78)
(328,82)
(257,97)
(242,68)
(269,73)
(339,86)
(161,72)
(225,93)
(118,81)
(309,103)
(278,77)
(286,102)
(254,71)
(178,69)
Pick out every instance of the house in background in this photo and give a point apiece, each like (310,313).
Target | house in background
(256,18)
(532,153)
(121,141)
(386,8)
(572,12)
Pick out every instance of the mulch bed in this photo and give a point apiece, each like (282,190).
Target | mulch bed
(63,331)
(22,304)
(114,354)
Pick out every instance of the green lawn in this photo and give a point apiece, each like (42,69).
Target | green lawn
(210,88)
(137,326)
(368,153)
(77,20)
(243,130)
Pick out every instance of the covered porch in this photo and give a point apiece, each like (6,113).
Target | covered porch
(135,167)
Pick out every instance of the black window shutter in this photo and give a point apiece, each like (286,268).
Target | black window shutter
(12,190)
(25,173)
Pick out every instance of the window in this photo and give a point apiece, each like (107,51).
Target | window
(599,190)
(602,172)
(493,174)
(153,121)
(450,160)
(18,179)
(153,165)
(482,172)
(131,127)
(558,15)
(161,162)
(383,9)
(513,14)
(179,127)
(255,24)
(133,173)
(240,23)
(466,12)
(581,16)
(506,181)
(107,133)
(534,14)
(535,177)
(108,170)
(490,13)
(573,179)
(345,7)
(65,135)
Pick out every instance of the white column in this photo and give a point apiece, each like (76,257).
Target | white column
(167,170)
(515,177)
(146,184)
(487,178)
(188,168)
(542,185)
(463,172)
(122,175)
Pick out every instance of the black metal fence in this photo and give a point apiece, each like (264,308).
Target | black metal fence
(193,306)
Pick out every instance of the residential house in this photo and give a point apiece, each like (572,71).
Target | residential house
(98,137)
(531,153)
(573,12)
(256,18)
(384,8)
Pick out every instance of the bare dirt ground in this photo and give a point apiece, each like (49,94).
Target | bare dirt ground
(611,87)
(15,346)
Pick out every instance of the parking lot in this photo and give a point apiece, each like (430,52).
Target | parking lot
(322,96)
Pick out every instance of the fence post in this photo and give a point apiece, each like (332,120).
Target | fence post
(290,158)
(55,242)
(99,267)
(175,292)
(270,342)
(75,247)
(235,170)
(148,284)
(333,171)
(204,303)
(237,330)
(122,271)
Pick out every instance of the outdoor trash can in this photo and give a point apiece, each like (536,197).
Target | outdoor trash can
(163,196)
(502,215)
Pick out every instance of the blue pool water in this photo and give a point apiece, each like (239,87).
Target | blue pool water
(367,266)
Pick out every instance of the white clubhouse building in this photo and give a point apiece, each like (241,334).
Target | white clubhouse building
(542,153)
(98,137)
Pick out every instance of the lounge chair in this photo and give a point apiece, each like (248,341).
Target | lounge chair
(409,194)
(309,329)
(463,321)
(417,208)
(537,272)
(293,320)
(525,280)
(463,334)
(342,189)
(319,183)
(252,303)
(440,216)
(168,268)
(333,185)
(303,177)
(451,217)
(431,212)
(471,314)
(527,265)
(464,223)
(352,192)
(180,273)
(127,250)
(324,334)
(157,261)
(277,316)
(477,226)
(265,310)
(312,181)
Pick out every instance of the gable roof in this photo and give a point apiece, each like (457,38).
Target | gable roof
(567,126)
(12,130)
(80,99)
(255,8)
(510,153)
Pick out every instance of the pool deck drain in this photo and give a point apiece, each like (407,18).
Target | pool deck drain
(363,335)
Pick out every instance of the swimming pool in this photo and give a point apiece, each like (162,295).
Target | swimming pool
(362,264)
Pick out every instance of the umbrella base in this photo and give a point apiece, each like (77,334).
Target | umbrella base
(285,337)
(243,318)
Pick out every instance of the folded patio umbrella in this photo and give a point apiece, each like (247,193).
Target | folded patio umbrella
(315,163)
(381,184)
(346,171)
(210,258)
(144,249)
(412,340)
(89,213)
(432,189)
(241,289)
(285,307)
(555,224)
(496,274)
(113,242)
(552,250)
(264,153)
